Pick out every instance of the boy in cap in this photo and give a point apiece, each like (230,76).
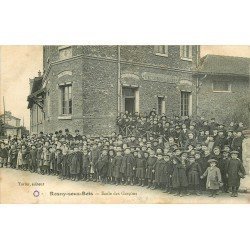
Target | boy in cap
(213,177)
(117,165)
(85,165)
(102,165)
(13,156)
(158,170)
(150,167)
(237,143)
(223,169)
(3,155)
(235,171)
(94,156)
(58,161)
(45,161)
(179,177)
(194,173)
(111,156)
(33,159)
(77,137)
(76,164)
(167,174)
(126,166)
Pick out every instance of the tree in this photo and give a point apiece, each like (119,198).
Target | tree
(2,129)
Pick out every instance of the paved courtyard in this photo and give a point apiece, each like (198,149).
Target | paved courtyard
(24,187)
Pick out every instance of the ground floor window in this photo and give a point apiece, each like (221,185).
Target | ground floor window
(221,87)
(161,105)
(186,103)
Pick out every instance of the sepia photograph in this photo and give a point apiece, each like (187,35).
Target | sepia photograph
(125,124)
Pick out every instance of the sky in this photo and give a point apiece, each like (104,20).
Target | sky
(19,63)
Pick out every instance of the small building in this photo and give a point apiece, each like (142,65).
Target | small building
(87,87)
(12,124)
(224,88)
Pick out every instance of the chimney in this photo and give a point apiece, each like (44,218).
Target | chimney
(39,73)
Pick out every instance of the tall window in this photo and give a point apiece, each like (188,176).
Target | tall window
(48,104)
(185,103)
(161,105)
(67,100)
(221,87)
(186,52)
(161,50)
(65,52)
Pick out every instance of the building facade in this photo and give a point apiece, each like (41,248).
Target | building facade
(86,87)
(224,88)
(12,124)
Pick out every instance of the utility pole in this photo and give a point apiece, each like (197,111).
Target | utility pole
(3,111)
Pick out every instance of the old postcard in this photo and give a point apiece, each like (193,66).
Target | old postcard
(155,124)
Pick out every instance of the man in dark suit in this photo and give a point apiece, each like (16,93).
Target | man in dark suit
(68,136)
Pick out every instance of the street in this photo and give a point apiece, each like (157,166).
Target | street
(24,187)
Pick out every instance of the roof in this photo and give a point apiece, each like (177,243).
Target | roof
(36,89)
(37,84)
(225,65)
(8,114)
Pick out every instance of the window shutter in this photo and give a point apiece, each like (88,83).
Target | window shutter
(155,49)
(166,50)
(181,51)
(190,52)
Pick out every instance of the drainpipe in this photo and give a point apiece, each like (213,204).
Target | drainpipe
(198,84)
(118,79)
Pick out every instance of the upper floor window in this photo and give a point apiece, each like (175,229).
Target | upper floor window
(161,50)
(66,99)
(186,52)
(221,87)
(65,52)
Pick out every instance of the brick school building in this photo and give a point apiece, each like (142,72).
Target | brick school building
(86,87)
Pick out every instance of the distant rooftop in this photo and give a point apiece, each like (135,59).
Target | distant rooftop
(225,65)
(9,114)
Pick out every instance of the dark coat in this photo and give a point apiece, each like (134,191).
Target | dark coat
(65,164)
(85,164)
(111,166)
(194,173)
(59,160)
(102,165)
(140,168)
(179,177)
(235,170)
(3,153)
(150,167)
(220,142)
(127,165)
(117,166)
(13,157)
(52,161)
(94,156)
(33,157)
(76,163)
(167,171)
(159,167)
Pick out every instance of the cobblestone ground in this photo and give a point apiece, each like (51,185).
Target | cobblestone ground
(24,187)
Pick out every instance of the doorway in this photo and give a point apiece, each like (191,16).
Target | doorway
(130,105)
(130,100)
